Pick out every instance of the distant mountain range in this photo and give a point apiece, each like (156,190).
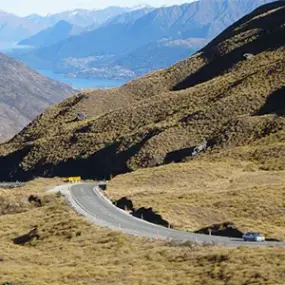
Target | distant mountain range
(81,17)
(200,19)
(134,42)
(137,42)
(24,94)
(15,29)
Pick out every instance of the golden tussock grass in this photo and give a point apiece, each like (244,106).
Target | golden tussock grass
(71,251)
(217,94)
(198,194)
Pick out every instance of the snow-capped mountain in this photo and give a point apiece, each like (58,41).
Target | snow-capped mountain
(14,28)
(81,17)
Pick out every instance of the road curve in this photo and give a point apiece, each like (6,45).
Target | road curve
(90,202)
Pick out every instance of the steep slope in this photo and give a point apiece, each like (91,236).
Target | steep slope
(24,94)
(53,35)
(227,103)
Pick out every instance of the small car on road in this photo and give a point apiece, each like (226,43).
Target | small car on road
(253,236)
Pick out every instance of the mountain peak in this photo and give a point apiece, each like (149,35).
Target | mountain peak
(140,6)
(60,31)
(62,23)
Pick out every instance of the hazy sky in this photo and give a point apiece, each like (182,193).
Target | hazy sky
(26,7)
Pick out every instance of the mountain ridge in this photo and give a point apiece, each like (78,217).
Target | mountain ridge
(217,96)
(16,28)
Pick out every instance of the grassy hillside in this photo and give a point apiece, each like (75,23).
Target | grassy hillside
(217,95)
(70,251)
(234,104)
(199,194)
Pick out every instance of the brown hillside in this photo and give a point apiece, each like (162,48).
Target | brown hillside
(217,95)
(199,194)
(24,94)
(70,251)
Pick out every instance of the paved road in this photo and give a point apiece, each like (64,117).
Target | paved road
(89,201)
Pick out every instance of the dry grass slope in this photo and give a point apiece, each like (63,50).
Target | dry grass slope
(191,196)
(70,251)
(237,105)
(217,95)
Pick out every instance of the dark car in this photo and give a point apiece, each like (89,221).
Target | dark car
(253,236)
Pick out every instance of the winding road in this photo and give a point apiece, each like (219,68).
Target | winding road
(90,202)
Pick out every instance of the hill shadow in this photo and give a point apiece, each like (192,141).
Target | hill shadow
(10,170)
(275,104)
(178,155)
(226,229)
(124,204)
(103,164)
(147,214)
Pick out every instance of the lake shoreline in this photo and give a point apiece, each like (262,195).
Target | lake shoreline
(82,83)
(79,83)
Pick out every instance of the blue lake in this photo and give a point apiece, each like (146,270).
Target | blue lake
(82,83)
(76,83)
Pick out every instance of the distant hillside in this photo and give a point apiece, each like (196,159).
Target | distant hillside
(225,101)
(159,54)
(24,94)
(59,32)
(156,55)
